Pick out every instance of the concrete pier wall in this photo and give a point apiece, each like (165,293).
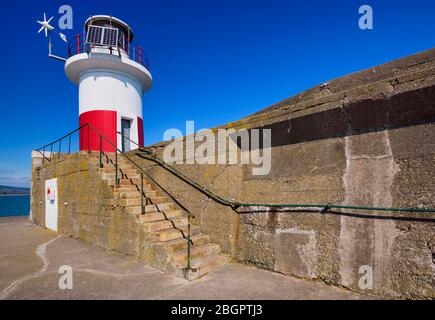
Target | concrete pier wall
(365,139)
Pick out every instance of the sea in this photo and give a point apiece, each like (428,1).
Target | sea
(14,205)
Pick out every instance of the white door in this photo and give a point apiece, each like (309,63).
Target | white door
(125,131)
(51,204)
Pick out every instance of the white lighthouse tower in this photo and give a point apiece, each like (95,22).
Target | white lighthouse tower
(112,76)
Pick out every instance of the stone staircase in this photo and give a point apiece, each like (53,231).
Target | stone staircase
(165,225)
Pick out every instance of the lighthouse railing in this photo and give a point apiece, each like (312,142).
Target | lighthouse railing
(78,45)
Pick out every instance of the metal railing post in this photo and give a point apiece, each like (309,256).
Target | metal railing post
(69,145)
(101,151)
(43,155)
(188,242)
(78,43)
(60,146)
(89,141)
(51,151)
(141,193)
(116,168)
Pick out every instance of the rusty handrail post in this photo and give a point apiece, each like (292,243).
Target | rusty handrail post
(141,194)
(101,151)
(69,145)
(60,146)
(188,241)
(43,156)
(116,168)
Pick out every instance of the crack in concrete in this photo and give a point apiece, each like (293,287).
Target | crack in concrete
(40,252)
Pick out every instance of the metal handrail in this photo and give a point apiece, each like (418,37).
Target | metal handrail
(79,45)
(324,207)
(142,171)
(149,155)
(51,144)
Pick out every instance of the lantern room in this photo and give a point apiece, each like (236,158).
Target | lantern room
(112,74)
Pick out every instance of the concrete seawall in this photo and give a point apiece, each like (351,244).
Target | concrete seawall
(364,139)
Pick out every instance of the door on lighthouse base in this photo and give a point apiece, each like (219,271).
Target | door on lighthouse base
(125,131)
(51,204)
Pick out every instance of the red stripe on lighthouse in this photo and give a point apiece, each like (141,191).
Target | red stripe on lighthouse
(105,122)
(140,131)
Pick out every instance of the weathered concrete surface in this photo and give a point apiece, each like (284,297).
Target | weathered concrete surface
(87,209)
(364,139)
(98,274)
(18,258)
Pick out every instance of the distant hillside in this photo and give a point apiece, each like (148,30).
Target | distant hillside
(13,190)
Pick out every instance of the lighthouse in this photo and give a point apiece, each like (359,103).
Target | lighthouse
(112,75)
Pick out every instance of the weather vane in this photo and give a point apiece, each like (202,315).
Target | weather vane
(45,25)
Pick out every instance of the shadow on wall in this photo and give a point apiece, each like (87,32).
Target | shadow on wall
(402,110)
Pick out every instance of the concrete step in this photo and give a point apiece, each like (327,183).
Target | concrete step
(159,216)
(137,210)
(158,199)
(132,188)
(165,224)
(173,246)
(121,163)
(125,188)
(128,195)
(150,208)
(108,176)
(165,206)
(111,169)
(111,176)
(112,157)
(128,182)
(134,210)
(133,193)
(94,165)
(202,267)
(171,234)
(179,259)
(129,175)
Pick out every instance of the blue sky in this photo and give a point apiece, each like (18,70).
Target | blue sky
(212,61)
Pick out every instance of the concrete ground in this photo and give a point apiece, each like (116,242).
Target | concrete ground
(30,258)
